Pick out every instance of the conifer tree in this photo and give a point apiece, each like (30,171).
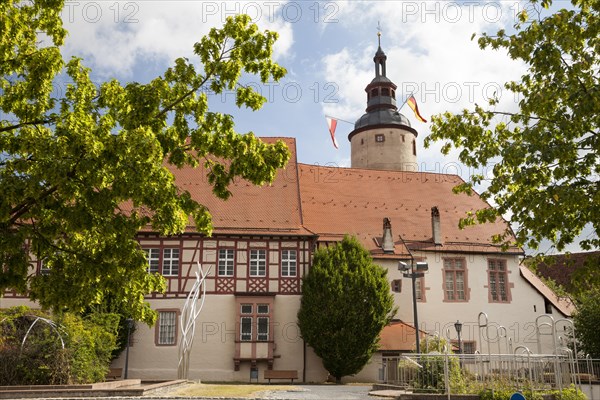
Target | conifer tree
(346,302)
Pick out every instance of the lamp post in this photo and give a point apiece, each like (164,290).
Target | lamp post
(458,327)
(129,326)
(414,271)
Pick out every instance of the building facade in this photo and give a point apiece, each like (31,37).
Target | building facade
(263,242)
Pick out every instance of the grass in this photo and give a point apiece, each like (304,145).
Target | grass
(216,390)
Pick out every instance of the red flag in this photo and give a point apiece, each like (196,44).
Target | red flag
(412,103)
(332,124)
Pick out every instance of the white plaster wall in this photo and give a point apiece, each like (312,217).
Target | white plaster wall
(518,317)
(212,355)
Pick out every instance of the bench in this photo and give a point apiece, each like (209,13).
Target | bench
(114,374)
(281,374)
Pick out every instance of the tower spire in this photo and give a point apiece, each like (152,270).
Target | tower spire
(383,138)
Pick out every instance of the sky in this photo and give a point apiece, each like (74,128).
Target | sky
(327,48)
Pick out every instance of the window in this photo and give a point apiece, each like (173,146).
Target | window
(254,318)
(246,323)
(498,281)
(385,92)
(547,306)
(374,92)
(468,346)
(169,261)
(152,255)
(379,138)
(397,285)
(455,284)
(170,264)
(258,262)
(288,262)
(263,308)
(226,262)
(262,334)
(167,325)
(44,269)
(246,308)
(414,147)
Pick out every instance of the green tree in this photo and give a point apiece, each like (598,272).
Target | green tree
(346,302)
(546,154)
(435,363)
(81,174)
(587,323)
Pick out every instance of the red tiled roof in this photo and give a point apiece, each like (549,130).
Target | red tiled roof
(268,209)
(561,267)
(336,201)
(564,305)
(398,336)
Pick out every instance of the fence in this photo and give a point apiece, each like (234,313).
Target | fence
(452,373)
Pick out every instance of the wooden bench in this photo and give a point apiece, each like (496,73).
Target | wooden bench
(281,374)
(114,374)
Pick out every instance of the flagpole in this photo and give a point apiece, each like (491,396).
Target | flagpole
(338,119)
(405,100)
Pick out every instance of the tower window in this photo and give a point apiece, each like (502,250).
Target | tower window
(393,94)
(362,141)
(402,138)
(374,92)
(414,147)
(379,138)
(385,92)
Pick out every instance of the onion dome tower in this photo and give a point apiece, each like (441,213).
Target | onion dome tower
(383,138)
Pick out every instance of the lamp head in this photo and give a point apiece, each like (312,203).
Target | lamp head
(422,266)
(458,326)
(402,266)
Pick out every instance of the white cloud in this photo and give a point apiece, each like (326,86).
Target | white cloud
(429,53)
(114,36)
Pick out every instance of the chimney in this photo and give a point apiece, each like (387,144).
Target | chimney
(387,243)
(436,226)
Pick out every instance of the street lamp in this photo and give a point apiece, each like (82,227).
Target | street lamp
(129,322)
(458,327)
(414,271)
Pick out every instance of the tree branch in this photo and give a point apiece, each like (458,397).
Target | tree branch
(35,123)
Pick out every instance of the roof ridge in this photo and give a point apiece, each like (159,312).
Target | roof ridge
(381,170)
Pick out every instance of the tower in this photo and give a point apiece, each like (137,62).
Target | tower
(383,138)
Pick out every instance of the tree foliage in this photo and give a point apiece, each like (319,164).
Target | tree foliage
(435,363)
(32,353)
(82,173)
(545,154)
(346,302)
(587,323)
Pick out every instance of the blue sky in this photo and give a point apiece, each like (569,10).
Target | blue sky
(327,48)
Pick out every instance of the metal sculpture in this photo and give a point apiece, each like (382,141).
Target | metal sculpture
(48,322)
(187,321)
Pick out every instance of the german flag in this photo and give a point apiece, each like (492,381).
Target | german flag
(412,103)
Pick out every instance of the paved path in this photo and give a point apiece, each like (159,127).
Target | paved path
(322,392)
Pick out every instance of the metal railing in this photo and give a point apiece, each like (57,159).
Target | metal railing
(453,373)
